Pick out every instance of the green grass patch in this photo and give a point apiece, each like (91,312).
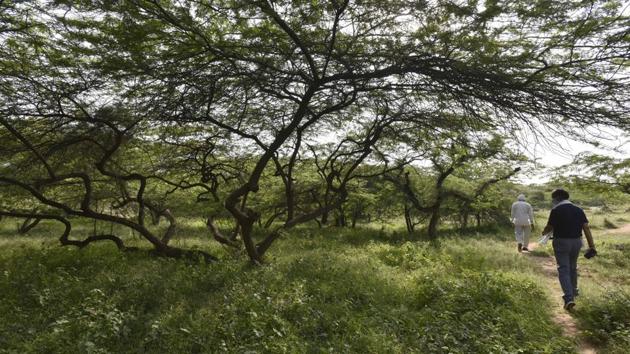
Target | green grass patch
(322,291)
(603,312)
(606,320)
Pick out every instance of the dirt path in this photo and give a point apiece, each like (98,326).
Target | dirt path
(559,315)
(625,229)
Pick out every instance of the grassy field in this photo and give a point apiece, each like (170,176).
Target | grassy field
(322,291)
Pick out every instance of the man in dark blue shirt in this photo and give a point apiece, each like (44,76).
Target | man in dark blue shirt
(567,222)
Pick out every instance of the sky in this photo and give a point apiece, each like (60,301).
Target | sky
(562,151)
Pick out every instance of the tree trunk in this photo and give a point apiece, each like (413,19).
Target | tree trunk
(465,216)
(340,220)
(324,218)
(155,217)
(355,216)
(433,223)
(28,225)
(408,221)
(250,247)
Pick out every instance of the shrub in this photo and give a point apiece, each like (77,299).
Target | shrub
(607,322)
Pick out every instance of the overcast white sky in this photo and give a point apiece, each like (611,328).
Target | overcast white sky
(563,150)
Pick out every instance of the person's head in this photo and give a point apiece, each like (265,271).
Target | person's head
(521,197)
(559,195)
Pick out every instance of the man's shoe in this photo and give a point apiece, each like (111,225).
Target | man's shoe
(525,249)
(569,305)
(520,247)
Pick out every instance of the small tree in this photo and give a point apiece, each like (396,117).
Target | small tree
(450,156)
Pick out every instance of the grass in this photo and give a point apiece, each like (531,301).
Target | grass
(331,290)
(606,281)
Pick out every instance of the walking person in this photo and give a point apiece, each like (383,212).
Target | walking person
(523,219)
(567,222)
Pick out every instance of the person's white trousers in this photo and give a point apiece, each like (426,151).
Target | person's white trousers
(522,233)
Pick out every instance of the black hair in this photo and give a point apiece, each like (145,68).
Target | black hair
(560,194)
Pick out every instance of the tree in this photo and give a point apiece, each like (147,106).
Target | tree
(267,79)
(598,173)
(56,176)
(451,155)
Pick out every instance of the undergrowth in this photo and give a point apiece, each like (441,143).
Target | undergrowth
(606,321)
(321,291)
(604,310)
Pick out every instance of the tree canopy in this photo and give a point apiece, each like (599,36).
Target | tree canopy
(131,102)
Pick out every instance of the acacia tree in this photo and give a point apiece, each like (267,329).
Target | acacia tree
(599,173)
(263,77)
(56,175)
(451,155)
(484,198)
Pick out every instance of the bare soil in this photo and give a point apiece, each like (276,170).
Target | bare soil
(625,229)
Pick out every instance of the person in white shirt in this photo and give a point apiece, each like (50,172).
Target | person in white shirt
(523,219)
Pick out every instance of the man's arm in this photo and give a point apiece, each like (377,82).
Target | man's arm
(531,216)
(589,235)
(550,221)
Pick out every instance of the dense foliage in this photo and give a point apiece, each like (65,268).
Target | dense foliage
(181,123)
(273,113)
(356,291)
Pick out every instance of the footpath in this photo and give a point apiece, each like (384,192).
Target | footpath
(559,315)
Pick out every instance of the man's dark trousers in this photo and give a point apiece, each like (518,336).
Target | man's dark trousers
(567,251)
